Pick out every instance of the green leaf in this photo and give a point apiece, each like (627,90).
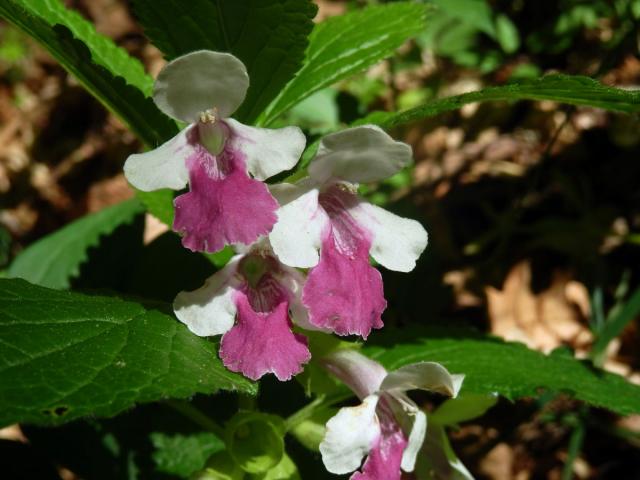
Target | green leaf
(55,259)
(475,13)
(344,45)
(507,34)
(65,355)
(510,369)
(183,455)
(464,407)
(159,203)
(269,36)
(103,51)
(614,326)
(437,459)
(104,69)
(574,90)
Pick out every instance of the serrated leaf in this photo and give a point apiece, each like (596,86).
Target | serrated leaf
(269,36)
(65,355)
(100,66)
(344,45)
(103,51)
(55,259)
(510,369)
(183,455)
(574,90)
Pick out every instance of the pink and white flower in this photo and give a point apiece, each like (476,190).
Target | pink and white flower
(325,226)
(214,154)
(251,303)
(387,427)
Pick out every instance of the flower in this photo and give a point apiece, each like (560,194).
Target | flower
(387,427)
(251,302)
(322,212)
(214,154)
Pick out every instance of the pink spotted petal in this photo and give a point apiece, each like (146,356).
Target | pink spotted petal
(263,343)
(344,293)
(383,462)
(224,205)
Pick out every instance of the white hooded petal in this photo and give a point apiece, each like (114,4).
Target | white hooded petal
(359,155)
(428,376)
(162,167)
(413,422)
(350,434)
(267,151)
(200,81)
(297,235)
(415,440)
(210,310)
(361,374)
(397,242)
(288,192)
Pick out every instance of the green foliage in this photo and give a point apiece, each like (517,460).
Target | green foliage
(464,407)
(183,455)
(574,90)
(472,12)
(617,320)
(159,203)
(13,45)
(438,456)
(103,51)
(5,246)
(55,259)
(318,113)
(285,470)
(510,369)
(269,36)
(457,26)
(67,355)
(507,34)
(220,467)
(102,68)
(344,45)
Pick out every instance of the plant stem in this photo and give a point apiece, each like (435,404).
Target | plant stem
(321,401)
(196,416)
(575,445)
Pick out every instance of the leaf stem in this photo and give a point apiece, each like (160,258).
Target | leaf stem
(196,416)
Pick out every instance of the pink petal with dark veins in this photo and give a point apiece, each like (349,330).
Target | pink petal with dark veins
(262,342)
(224,205)
(344,292)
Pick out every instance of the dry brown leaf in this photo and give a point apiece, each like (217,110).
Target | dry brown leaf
(544,320)
(498,463)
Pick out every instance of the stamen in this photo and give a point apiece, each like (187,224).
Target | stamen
(209,116)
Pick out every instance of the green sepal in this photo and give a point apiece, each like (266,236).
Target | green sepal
(255,440)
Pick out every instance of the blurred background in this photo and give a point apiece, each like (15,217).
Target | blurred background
(533,208)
